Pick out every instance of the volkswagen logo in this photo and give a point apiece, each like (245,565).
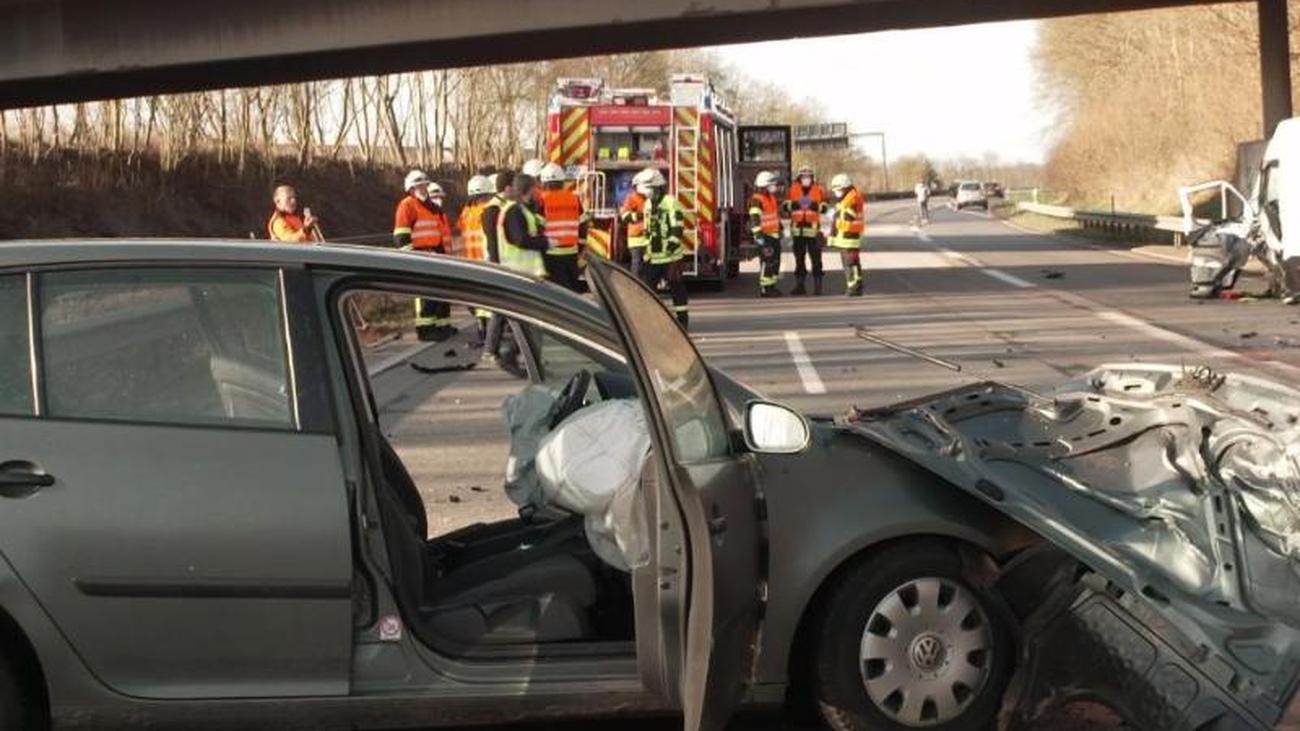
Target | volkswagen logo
(928,653)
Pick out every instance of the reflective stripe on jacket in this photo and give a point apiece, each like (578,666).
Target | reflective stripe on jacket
(764,215)
(850,215)
(514,256)
(427,226)
(664,222)
(563,212)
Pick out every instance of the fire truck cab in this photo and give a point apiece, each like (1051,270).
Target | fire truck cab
(603,137)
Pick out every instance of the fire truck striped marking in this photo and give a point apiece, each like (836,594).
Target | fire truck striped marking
(576,131)
(705,192)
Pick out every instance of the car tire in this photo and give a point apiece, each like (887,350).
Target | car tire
(938,659)
(13,716)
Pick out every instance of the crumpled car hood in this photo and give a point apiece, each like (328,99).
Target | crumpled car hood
(1179,484)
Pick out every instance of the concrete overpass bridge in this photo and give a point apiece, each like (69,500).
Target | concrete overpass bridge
(72,50)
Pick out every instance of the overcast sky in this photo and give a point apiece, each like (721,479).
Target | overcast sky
(942,91)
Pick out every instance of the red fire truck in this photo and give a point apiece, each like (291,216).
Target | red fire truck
(604,136)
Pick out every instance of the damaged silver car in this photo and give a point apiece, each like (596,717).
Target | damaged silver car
(1168,499)
(204,524)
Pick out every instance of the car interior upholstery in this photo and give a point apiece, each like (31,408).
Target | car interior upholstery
(527,580)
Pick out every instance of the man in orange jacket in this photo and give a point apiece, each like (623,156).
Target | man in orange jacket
(286,224)
(765,227)
(803,207)
(421,225)
(565,228)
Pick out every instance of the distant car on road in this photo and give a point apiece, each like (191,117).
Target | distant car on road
(994,190)
(971,193)
(204,525)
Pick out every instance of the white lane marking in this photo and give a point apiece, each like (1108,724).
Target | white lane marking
(1149,329)
(997,274)
(1011,279)
(812,383)
(1156,332)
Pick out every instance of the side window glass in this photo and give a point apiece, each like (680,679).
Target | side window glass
(1271,205)
(15,355)
(560,359)
(677,374)
(184,346)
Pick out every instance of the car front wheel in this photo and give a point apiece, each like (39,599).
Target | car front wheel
(12,715)
(906,642)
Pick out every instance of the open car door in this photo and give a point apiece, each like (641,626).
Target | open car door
(706,593)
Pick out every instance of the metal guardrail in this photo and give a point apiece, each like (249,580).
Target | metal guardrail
(1136,226)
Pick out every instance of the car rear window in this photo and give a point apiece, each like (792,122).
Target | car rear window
(15,353)
(194,346)
(970,186)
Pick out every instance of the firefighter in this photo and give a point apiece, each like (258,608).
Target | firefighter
(632,216)
(566,227)
(286,224)
(846,231)
(803,207)
(421,225)
(473,242)
(473,245)
(765,225)
(663,230)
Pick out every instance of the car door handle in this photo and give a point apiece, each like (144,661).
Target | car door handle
(20,478)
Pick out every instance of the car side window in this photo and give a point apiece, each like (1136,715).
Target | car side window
(177,346)
(677,374)
(15,354)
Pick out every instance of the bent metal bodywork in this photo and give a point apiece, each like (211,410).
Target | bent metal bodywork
(1171,500)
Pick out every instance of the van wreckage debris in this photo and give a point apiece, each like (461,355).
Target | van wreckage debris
(1169,499)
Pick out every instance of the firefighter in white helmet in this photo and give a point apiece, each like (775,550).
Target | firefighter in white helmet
(847,229)
(804,205)
(473,241)
(421,225)
(664,222)
(765,226)
(566,227)
(533,169)
(632,216)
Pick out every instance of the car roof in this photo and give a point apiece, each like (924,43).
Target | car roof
(25,254)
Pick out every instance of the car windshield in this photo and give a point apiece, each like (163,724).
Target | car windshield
(970,186)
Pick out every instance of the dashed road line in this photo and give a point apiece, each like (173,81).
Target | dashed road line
(812,383)
(1137,324)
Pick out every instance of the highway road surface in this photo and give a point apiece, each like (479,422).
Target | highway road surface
(1001,302)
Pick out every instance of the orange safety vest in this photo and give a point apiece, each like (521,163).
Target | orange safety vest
(473,242)
(769,218)
(283,226)
(429,228)
(806,221)
(633,214)
(848,231)
(563,213)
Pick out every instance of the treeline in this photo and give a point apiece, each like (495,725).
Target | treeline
(1150,100)
(471,117)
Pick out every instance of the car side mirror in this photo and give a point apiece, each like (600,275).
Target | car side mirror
(775,429)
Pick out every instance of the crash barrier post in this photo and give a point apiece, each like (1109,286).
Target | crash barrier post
(1141,227)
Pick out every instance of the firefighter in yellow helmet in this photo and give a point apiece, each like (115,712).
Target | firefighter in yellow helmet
(847,229)
(664,222)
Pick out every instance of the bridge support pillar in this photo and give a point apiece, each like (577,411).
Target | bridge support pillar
(1274,62)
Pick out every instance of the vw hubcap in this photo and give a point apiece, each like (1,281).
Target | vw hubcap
(926,652)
